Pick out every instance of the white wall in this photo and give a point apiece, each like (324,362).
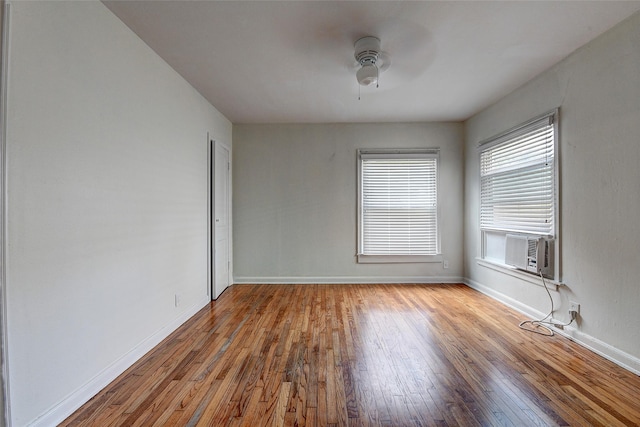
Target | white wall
(295,201)
(598,91)
(107,203)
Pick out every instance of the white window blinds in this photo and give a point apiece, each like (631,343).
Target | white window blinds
(517,188)
(398,204)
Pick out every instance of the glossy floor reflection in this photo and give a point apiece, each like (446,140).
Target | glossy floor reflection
(364,355)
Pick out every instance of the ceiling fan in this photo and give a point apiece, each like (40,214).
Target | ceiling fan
(371,59)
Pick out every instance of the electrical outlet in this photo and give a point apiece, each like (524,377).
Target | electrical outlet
(574,306)
(445,264)
(177,300)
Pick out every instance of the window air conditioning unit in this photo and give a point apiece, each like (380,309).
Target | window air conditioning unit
(533,254)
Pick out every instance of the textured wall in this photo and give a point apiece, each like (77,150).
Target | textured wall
(295,201)
(598,91)
(107,196)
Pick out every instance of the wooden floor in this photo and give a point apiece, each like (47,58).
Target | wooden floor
(364,355)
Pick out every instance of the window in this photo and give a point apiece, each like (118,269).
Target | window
(398,209)
(518,185)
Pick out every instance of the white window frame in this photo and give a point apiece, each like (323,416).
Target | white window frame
(399,154)
(491,239)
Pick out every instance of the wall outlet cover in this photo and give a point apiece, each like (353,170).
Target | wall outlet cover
(574,306)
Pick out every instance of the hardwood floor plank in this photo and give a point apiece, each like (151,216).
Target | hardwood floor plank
(281,405)
(363,355)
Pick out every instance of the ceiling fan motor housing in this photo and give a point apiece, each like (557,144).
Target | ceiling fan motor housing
(367,50)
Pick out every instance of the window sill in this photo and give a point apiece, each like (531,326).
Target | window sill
(552,285)
(398,259)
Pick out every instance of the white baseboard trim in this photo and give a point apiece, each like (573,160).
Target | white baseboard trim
(75,400)
(615,355)
(304,280)
(506,300)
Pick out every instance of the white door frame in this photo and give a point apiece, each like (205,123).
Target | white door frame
(210,143)
(5,406)
(216,289)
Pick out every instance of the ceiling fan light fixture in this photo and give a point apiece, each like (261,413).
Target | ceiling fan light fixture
(367,75)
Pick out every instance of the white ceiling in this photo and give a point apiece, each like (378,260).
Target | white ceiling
(292,61)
